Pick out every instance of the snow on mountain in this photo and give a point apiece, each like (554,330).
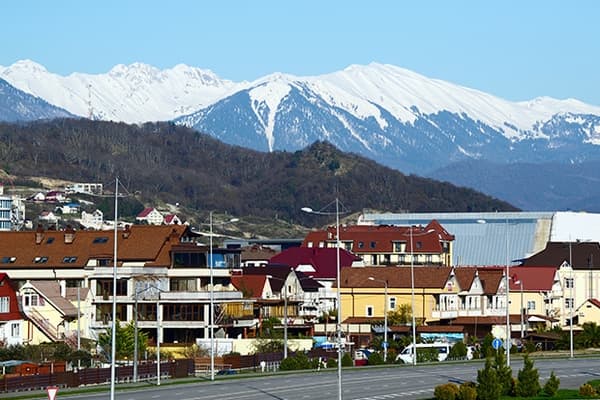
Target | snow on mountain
(129,93)
(400,118)
(16,105)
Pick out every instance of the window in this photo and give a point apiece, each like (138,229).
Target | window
(361,245)
(397,247)
(569,303)
(309,244)
(348,246)
(183,285)
(8,260)
(392,304)
(373,245)
(4,304)
(321,244)
(101,239)
(40,260)
(419,245)
(569,283)
(69,259)
(50,240)
(104,287)
(369,311)
(530,305)
(15,330)
(429,258)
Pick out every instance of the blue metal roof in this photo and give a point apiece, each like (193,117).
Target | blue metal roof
(482,238)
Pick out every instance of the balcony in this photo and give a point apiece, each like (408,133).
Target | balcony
(463,311)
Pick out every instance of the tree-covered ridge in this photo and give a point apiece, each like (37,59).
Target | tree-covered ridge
(161,161)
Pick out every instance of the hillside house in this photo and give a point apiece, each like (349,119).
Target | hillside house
(12,319)
(150,216)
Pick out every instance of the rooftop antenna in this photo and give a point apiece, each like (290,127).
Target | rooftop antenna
(90,108)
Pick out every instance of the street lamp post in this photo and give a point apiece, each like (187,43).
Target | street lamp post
(520,283)
(158,337)
(508,333)
(385,317)
(212,296)
(113,353)
(285,314)
(412,297)
(338,297)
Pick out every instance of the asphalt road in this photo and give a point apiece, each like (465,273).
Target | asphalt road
(401,382)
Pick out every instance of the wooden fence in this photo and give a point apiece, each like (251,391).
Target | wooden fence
(94,376)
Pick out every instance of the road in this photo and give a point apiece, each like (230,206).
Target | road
(401,382)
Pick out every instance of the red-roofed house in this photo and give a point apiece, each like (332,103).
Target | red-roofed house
(390,245)
(11,318)
(589,311)
(321,264)
(172,219)
(151,216)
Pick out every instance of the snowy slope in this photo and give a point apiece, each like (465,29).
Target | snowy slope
(16,105)
(129,93)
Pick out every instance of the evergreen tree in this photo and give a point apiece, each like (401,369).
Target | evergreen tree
(488,387)
(504,373)
(552,384)
(528,381)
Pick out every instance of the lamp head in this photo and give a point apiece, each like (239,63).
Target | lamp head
(234,220)
(371,278)
(307,209)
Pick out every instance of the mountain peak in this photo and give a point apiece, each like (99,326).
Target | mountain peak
(28,66)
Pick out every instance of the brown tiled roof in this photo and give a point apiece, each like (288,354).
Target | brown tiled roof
(585,255)
(51,291)
(428,329)
(71,293)
(250,285)
(72,249)
(396,277)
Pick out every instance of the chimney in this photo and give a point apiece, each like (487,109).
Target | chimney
(39,234)
(69,235)
(126,232)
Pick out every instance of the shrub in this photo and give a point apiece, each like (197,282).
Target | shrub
(552,384)
(347,360)
(375,359)
(458,351)
(332,363)
(488,387)
(586,390)
(504,373)
(528,380)
(467,391)
(446,391)
(289,364)
(427,355)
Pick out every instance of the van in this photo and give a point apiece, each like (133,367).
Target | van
(407,354)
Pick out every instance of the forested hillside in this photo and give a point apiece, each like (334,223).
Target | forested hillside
(161,162)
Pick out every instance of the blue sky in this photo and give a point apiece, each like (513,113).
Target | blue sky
(517,50)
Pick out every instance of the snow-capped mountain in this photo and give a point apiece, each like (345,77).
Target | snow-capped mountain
(393,115)
(401,119)
(129,93)
(16,105)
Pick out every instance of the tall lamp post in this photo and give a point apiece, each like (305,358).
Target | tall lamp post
(412,297)
(385,316)
(212,296)
(113,354)
(508,333)
(285,314)
(338,297)
(520,283)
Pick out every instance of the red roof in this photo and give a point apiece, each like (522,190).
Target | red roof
(250,285)
(322,259)
(145,212)
(381,238)
(533,278)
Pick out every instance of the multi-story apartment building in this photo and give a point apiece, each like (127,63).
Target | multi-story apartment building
(390,245)
(163,270)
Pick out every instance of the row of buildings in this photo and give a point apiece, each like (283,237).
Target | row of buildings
(58,285)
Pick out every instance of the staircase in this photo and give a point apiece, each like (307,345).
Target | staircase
(42,323)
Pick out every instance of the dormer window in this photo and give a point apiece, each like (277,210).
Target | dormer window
(40,259)
(102,239)
(8,260)
(69,259)
(50,240)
